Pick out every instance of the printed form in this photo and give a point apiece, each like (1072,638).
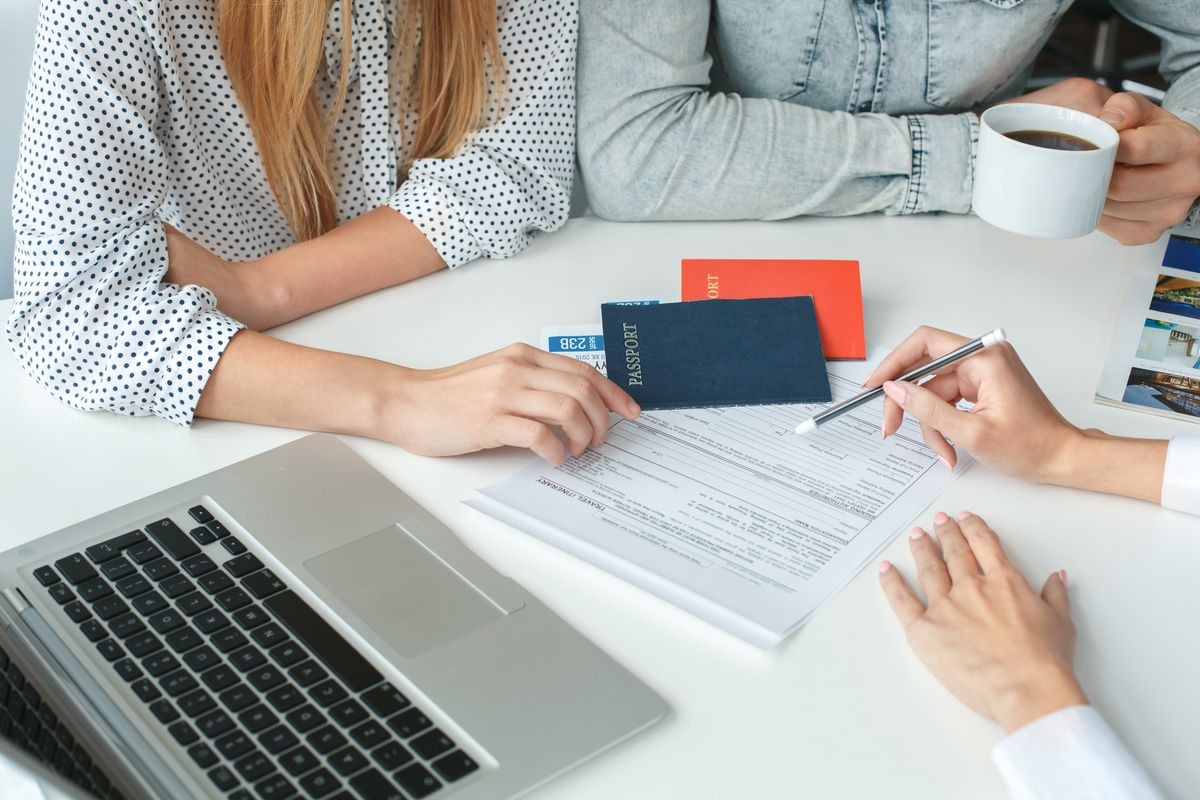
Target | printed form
(728,513)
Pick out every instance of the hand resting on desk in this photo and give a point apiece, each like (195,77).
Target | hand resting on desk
(1012,426)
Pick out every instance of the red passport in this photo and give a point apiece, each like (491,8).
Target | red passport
(833,285)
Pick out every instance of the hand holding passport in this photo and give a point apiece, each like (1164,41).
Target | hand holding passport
(716,352)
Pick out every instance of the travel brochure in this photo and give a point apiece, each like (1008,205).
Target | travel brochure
(1153,362)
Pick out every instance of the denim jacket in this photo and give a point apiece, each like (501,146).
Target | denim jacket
(766,109)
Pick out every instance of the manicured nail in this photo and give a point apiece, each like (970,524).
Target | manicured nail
(884,566)
(945,463)
(917,533)
(897,392)
(1062,576)
(963,514)
(941,518)
(1112,116)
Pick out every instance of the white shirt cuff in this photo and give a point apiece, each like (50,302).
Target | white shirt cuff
(1071,753)
(1181,479)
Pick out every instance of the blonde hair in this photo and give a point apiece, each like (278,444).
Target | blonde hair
(273,50)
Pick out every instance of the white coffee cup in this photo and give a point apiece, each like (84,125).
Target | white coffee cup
(1039,191)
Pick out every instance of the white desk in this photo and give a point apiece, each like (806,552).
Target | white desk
(842,709)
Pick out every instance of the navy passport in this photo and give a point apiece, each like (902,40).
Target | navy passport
(716,352)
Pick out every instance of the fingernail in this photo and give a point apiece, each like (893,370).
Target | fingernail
(916,533)
(941,517)
(963,514)
(945,463)
(1112,116)
(897,392)
(884,566)
(1062,576)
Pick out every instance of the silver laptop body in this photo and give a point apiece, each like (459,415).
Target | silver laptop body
(333,614)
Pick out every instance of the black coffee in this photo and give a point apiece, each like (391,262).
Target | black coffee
(1052,140)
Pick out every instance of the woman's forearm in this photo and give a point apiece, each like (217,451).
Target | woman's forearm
(267,381)
(1098,462)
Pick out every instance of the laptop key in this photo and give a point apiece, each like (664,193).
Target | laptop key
(268,635)
(75,568)
(214,723)
(196,703)
(347,761)
(93,630)
(160,568)
(211,621)
(143,644)
(202,658)
(134,585)
(385,700)
(109,607)
(455,765)
(128,670)
(145,690)
(257,718)
(274,788)
(214,582)
(250,617)
(46,576)
(234,745)
(432,744)
(371,734)
(160,663)
(372,784)
(327,693)
(253,766)
(163,711)
(149,603)
(110,649)
(93,590)
(183,639)
(142,553)
(418,781)
(242,794)
(320,783)
(321,638)
(202,535)
(298,761)
(243,565)
(176,586)
(126,625)
(222,778)
(200,514)
(238,697)
(263,583)
(112,548)
(409,723)
(232,599)
(177,683)
(199,565)
(233,546)
(165,621)
(288,654)
(170,537)
(183,733)
(392,756)
(308,673)
(117,568)
(61,593)
(265,678)
(305,718)
(279,739)
(193,603)
(220,530)
(77,611)
(218,679)
(327,739)
(203,755)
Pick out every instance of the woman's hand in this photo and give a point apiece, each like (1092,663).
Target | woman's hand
(515,396)
(1012,426)
(191,264)
(1000,647)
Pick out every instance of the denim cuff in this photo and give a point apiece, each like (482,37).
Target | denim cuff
(943,163)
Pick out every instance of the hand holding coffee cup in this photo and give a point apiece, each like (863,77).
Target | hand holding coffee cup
(1042,170)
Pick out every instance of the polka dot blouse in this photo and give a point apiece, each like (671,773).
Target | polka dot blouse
(131,121)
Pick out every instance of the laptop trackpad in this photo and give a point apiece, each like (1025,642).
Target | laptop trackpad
(403,591)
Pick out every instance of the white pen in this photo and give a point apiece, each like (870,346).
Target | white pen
(833,412)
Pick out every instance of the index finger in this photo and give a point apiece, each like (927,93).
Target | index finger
(922,346)
(613,395)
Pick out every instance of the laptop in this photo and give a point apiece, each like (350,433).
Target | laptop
(294,625)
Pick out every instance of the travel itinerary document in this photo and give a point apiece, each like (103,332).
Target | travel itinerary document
(1153,361)
(716,353)
(726,512)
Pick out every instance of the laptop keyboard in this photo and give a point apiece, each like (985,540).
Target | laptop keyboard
(30,723)
(260,691)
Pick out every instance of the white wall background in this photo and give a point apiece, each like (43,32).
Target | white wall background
(18,18)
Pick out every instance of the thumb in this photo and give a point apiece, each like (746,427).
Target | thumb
(1126,110)
(927,407)
(1055,593)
